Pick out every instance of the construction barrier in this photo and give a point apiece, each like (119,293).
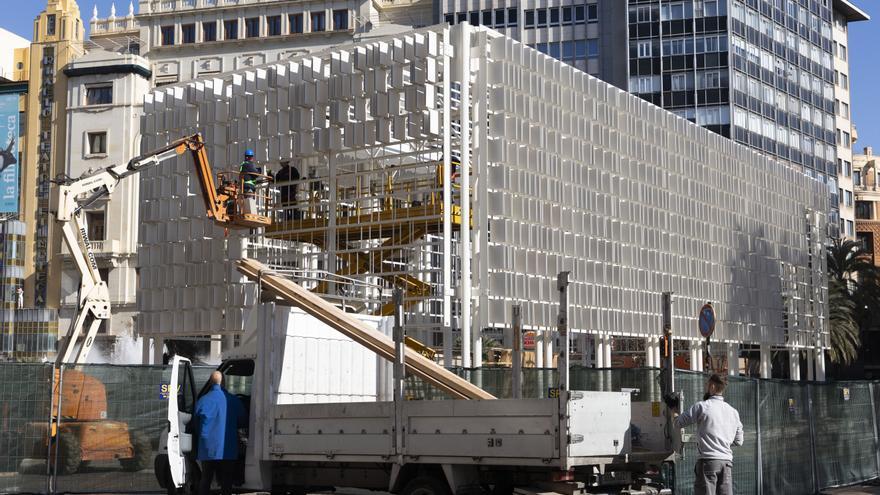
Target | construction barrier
(800,437)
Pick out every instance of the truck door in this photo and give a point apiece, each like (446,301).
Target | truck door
(181,405)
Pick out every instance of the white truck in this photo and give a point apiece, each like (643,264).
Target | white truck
(325,412)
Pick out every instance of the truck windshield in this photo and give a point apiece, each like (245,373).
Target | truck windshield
(238,375)
(239,385)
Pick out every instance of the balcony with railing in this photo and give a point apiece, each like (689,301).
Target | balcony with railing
(110,247)
(162,6)
(112,25)
(396,4)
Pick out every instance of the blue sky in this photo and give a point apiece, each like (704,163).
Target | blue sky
(864,50)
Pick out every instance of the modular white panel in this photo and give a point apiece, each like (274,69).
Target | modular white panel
(567,173)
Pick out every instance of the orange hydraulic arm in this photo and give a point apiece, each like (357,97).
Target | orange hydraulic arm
(217,200)
(225,205)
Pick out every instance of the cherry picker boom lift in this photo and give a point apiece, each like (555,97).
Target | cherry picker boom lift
(224,205)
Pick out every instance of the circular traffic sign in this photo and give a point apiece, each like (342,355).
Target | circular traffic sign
(707,320)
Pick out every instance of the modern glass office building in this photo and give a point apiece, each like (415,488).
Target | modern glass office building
(757,71)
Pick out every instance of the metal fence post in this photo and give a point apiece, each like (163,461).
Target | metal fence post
(57,425)
(49,431)
(874,418)
(759,458)
(813,457)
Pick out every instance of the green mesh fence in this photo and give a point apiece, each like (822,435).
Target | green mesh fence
(843,425)
(786,450)
(812,436)
(740,394)
(25,397)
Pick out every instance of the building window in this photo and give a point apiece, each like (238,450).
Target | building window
(580,14)
(499,18)
(50,25)
(592,48)
(844,81)
(710,8)
(679,82)
(99,95)
(593,12)
(857,178)
(209,31)
(230,29)
(273,25)
(296,23)
(850,230)
(97,143)
(542,17)
(843,52)
(97,226)
(188,33)
(849,198)
(554,16)
(644,49)
(530,18)
(512,17)
(643,84)
(167,35)
(567,15)
(340,19)
(863,210)
(847,168)
(844,110)
(450,19)
(252,27)
(318,22)
(671,11)
(487,18)
(847,142)
(709,80)
(643,13)
(475,18)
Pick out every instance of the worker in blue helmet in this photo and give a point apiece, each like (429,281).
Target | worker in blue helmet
(249,171)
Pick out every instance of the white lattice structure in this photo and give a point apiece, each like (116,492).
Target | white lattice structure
(566,173)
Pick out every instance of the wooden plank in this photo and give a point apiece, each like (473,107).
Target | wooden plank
(361,333)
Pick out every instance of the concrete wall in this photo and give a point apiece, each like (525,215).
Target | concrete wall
(120,119)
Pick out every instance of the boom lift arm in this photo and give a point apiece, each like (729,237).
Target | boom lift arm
(94,298)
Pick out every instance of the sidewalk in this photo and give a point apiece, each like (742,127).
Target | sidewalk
(869,488)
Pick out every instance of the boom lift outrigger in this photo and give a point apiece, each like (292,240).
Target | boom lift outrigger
(223,204)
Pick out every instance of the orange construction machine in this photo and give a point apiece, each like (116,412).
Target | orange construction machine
(85,433)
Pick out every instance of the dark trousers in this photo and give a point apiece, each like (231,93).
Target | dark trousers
(223,470)
(713,477)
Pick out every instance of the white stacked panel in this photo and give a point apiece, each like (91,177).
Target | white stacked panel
(636,201)
(579,176)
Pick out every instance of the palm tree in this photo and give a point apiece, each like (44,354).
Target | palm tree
(848,261)
(853,295)
(845,341)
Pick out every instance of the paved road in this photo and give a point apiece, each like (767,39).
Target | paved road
(99,477)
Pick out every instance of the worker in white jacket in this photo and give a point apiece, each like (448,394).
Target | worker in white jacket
(718,429)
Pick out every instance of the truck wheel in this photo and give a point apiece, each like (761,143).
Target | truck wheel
(426,485)
(69,453)
(142,451)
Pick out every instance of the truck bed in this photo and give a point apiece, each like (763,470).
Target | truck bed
(588,428)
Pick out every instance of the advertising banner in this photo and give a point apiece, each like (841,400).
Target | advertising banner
(9,131)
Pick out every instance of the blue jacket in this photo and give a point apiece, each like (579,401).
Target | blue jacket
(219,414)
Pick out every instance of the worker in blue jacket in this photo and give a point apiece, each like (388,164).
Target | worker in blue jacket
(219,414)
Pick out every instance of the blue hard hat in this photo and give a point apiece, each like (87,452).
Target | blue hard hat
(248,152)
